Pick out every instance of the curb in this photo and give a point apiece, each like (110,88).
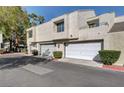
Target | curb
(105,67)
(113,68)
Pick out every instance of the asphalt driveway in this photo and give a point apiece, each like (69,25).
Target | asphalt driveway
(18,70)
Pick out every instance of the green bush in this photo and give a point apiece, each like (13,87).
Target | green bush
(2,51)
(108,57)
(34,52)
(57,54)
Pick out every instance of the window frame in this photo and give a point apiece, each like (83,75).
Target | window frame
(60,26)
(93,23)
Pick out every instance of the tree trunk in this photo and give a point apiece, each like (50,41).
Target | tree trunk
(17,43)
(10,42)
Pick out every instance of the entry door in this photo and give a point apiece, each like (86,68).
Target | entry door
(47,50)
(86,51)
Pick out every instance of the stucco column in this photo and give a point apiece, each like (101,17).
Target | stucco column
(38,48)
(60,47)
(0,45)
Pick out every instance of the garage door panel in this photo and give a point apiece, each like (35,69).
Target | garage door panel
(47,50)
(83,50)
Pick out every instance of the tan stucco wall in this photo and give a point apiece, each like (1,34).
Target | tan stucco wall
(97,32)
(93,33)
(82,18)
(30,40)
(44,32)
(76,21)
(107,17)
(114,41)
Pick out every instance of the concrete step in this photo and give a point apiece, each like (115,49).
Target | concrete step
(81,62)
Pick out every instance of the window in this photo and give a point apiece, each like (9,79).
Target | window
(2,45)
(60,27)
(30,34)
(93,23)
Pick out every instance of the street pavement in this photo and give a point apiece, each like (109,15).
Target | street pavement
(19,70)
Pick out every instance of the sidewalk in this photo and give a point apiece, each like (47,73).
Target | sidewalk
(81,62)
(13,55)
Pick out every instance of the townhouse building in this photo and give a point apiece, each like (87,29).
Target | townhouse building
(79,34)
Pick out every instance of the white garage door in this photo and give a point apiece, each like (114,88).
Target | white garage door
(47,50)
(83,50)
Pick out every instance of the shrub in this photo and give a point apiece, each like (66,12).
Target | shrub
(2,51)
(108,57)
(34,52)
(57,54)
(24,50)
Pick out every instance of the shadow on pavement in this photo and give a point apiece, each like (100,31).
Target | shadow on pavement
(15,62)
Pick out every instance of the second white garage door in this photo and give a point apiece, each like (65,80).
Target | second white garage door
(47,50)
(82,50)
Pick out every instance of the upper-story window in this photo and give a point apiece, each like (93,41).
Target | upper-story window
(30,34)
(93,23)
(60,27)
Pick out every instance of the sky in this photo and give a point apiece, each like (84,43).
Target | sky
(50,12)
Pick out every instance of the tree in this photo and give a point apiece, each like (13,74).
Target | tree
(13,20)
(13,23)
(35,19)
